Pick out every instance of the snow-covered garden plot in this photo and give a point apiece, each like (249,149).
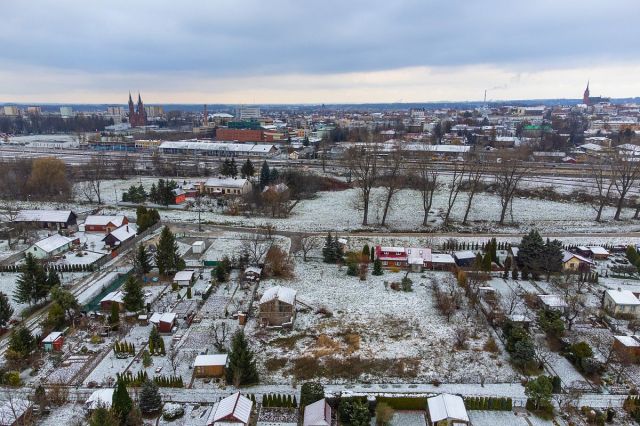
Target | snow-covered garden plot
(68,414)
(194,415)
(111,190)
(369,328)
(504,418)
(231,244)
(68,369)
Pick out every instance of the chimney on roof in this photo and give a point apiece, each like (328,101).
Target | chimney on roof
(127,228)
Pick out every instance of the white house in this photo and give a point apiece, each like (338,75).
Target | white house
(231,411)
(51,246)
(226,186)
(620,301)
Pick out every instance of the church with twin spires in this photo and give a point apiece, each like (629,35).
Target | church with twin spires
(137,115)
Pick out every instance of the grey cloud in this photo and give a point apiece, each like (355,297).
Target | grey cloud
(253,37)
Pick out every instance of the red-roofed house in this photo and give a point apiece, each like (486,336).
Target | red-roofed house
(413,258)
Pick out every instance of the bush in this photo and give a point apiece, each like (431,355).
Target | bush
(172,411)
(404,402)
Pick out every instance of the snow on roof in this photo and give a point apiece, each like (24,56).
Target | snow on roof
(598,250)
(227,182)
(124,232)
(100,398)
(115,296)
(418,255)
(628,341)
(623,297)
(100,220)
(317,414)
(59,216)
(591,147)
(392,249)
(234,407)
(53,243)
(552,300)
(253,270)
(198,243)
(217,146)
(442,258)
(183,276)
(52,337)
(446,406)
(155,318)
(283,294)
(207,360)
(466,254)
(567,256)
(168,317)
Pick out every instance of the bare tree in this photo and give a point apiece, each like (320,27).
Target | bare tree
(220,331)
(511,302)
(174,357)
(457,178)
(427,182)
(392,179)
(574,308)
(95,172)
(626,171)
(363,165)
(601,171)
(507,176)
(258,245)
(307,244)
(473,182)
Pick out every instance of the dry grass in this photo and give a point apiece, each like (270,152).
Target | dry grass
(275,364)
(352,368)
(288,342)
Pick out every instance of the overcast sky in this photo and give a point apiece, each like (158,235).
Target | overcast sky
(308,51)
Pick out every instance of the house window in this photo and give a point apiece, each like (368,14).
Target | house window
(385,263)
(398,263)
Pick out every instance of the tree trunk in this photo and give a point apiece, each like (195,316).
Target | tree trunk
(466,212)
(619,207)
(503,213)
(386,207)
(365,201)
(600,208)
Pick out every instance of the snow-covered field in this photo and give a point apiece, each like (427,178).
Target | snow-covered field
(374,322)
(338,211)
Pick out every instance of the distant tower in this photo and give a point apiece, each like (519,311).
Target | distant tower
(585,96)
(132,111)
(205,117)
(137,115)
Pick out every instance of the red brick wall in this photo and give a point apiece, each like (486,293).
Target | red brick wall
(240,135)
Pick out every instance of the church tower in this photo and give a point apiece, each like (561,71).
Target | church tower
(585,96)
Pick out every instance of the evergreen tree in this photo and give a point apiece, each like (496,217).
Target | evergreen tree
(507,268)
(150,399)
(225,168)
(154,340)
(189,293)
(377,267)
(233,168)
(366,251)
(242,366)
(552,257)
(274,175)
(114,317)
(101,416)
(486,262)
(55,317)
(531,254)
(247,169)
(265,175)
(352,269)
(167,255)
(153,194)
(53,279)
(337,248)
(121,402)
(6,311)
(142,260)
(133,297)
(22,342)
(31,284)
(311,392)
(328,251)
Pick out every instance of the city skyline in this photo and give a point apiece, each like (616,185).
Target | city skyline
(325,52)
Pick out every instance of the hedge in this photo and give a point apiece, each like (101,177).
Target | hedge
(404,402)
(488,403)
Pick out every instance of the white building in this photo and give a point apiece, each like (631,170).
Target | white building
(231,411)
(447,409)
(619,301)
(51,246)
